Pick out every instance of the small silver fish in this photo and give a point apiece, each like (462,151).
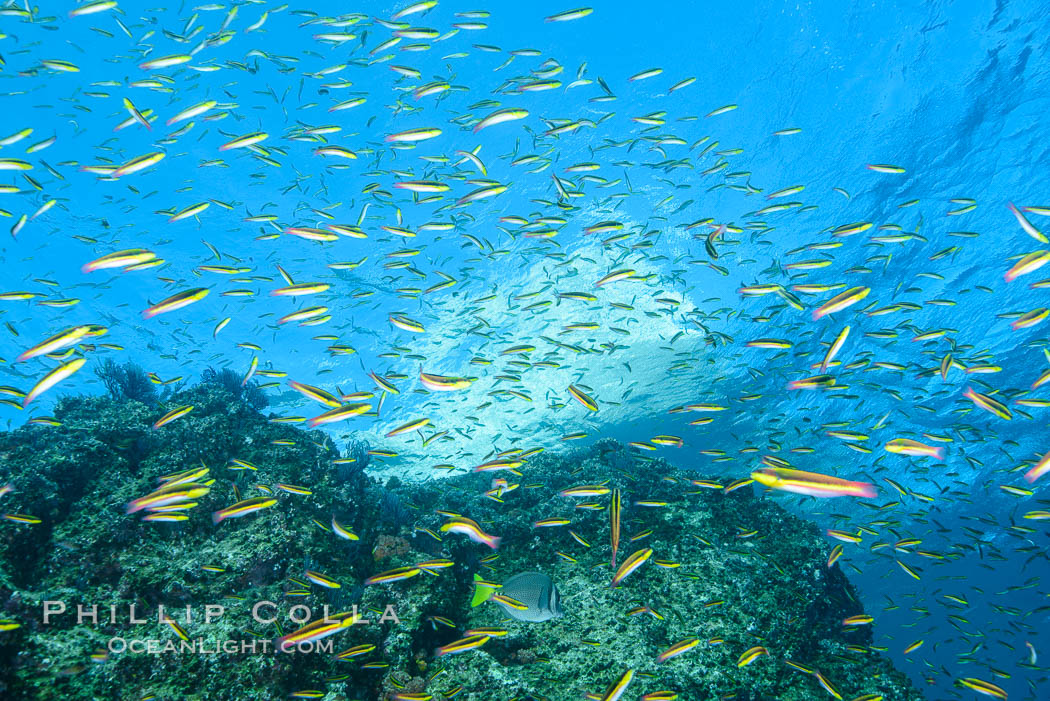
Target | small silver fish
(535,590)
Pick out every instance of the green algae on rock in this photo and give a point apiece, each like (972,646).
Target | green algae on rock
(732,570)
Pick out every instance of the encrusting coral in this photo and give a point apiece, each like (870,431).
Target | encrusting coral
(733,570)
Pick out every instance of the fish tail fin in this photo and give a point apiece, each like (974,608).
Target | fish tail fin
(217,517)
(482,592)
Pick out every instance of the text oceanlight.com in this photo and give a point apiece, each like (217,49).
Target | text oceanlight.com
(199,646)
(262,612)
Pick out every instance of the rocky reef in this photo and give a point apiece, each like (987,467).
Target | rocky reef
(735,571)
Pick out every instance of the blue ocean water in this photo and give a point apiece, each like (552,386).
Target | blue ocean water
(952,93)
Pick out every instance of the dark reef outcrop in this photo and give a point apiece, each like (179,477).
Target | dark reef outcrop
(748,573)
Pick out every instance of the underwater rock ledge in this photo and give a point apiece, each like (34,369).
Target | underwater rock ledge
(735,571)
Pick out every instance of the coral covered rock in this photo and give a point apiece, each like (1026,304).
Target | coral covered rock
(731,570)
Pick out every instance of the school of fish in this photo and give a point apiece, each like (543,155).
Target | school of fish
(481,247)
